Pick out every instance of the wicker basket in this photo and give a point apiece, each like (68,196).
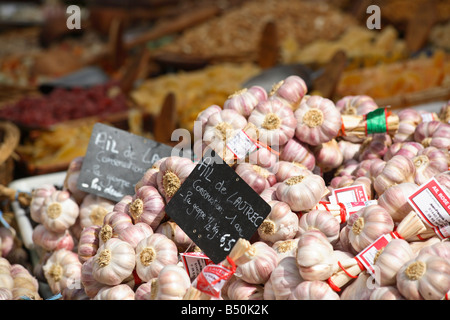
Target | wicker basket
(9,140)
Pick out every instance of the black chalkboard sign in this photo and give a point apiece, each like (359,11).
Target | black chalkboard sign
(215,207)
(115,160)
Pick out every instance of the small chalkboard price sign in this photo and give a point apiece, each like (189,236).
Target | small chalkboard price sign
(115,160)
(215,207)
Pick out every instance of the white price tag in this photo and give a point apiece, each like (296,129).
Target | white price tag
(241,145)
(443,232)
(431,203)
(350,194)
(352,207)
(194,262)
(367,256)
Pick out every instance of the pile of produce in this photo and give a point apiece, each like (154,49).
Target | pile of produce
(307,247)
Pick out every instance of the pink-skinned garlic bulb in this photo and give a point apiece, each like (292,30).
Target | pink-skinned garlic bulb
(90,285)
(349,150)
(119,292)
(88,243)
(257,177)
(59,211)
(173,231)
(430,162)
(285,248)
(320,220)
(275,122)
(51,241)
(409,119)
(146,290)
(172,283)
(356,105)
(241,290)
(263,259)
(299,152)
(280,224)
(122,205)
(397,170)
(135,233)
(284,278)
(290,90)
(202,119)
(71,180)
(38,196)
(386,293)
(408,149)
(147,206)
(172,173)
(113,223)
(301,192)
(433,133)
(375,146)
(328,155)
(313,290)
(395,200)
(152,254)
(93,210)
(440,249)
(318,120)
(286,169)
(62,270)
(149,177)
(244,101)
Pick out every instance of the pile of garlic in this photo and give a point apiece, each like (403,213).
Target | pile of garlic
(305,248)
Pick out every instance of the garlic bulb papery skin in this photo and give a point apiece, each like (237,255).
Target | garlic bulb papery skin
(6,280)
(290,90)
(390,259)
(202,119)
(149,177)
(93,210)
(152,254)
(386,293)
(172,173)
(258,178)
(299,152)
(88,243)
(172,284)
(367,224)
(285,248)
(37,200)
(5,294)
(433,133)
(426,277)
(62,270)
(90,285)
(286,169)
(320,220)
(135,233)
(51,241)
(375,146)
(430,162)
(122,205)
(146,290)
(313,290)
(301,192)
(74,294)
(284,278)
(275,122)
(119,292)
(263,260)
(318,120)
(263,157)
(147,206)
(408,149)
(349,150)
(409,119)
(360,289)
(113,223)
(241,290)
(113,262)
(24,283)
(356,105)
(397,170)
(440,249)
(315,256)
(280,224)
(173,231)
(269,194)
(71,180)
(328,155)
(395,200)
(245,100)
(59,211)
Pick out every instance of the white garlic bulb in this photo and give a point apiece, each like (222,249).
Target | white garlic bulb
(59,211)
(320,220)
(135,233)
(62,270)
(93,210)
(242,290)
(313,290)
(172,283)
(284,278)
(280,224)
(147,206)
(119,292)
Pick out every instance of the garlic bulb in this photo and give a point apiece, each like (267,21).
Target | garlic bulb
(88,243)
(122,205)
(285,248)
(263,260)
(62,270)
(202,119)
(24,283)
(93,210)
(390,259)
(149,177)
(280,224)
(146,290)
(426,277)
(119,292)
(50,240)
(263,157)
(90,284)
(284,278)
(430,162)
(291,91)
(313,290)
(433,133)
(315,256)
(320,220)
(135,233)
(256,177)
(286,169)
(37,200)
(296,151)
(301,192)
(349,150)
(113,223)
(397,170)
(409,119)
(6,280)
(245,100)
(366,225)
(356,105)
(328,155)
(74,294)
(173,231)
(172,283)
(318,120)
(360,289)
(440,249)
(71,180)
(147,206)
(395,200)
(408,149)
(172,173)
(386,293)
(59,211)
(152,254)
(375,146)
(241,290)
(275,122)
(6,241)
(113,262)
